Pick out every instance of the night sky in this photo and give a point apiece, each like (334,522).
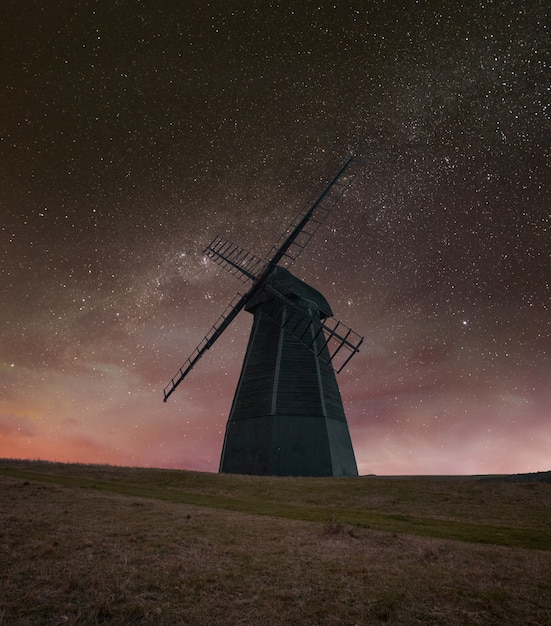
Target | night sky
(133,132)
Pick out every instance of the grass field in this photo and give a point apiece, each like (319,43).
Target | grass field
(106,545)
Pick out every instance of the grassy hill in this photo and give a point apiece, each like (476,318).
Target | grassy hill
(99,544)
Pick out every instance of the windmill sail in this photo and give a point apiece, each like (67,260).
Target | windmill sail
(305,225)
(339,342)
(217,329)
(237,261)
(248,267)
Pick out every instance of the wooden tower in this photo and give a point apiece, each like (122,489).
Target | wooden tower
(287,416)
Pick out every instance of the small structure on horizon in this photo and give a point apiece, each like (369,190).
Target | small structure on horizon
(287,416)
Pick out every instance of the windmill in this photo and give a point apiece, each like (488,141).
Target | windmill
(287,416)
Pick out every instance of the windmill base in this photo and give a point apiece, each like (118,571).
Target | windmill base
(287,445)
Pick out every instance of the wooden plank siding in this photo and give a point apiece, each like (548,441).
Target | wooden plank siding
(287,416)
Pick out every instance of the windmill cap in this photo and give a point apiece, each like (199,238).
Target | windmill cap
(289,285)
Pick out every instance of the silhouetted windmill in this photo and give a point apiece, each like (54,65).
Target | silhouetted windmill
(287,416)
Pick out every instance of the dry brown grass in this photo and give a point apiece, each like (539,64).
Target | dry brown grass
(76,556)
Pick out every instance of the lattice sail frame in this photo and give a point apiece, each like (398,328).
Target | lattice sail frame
(236,260)
(340,343)
(306,224)
(216,330)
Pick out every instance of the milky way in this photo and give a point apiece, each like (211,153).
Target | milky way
(133,133)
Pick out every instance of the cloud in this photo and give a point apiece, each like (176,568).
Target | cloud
(70,421)
(17,425)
